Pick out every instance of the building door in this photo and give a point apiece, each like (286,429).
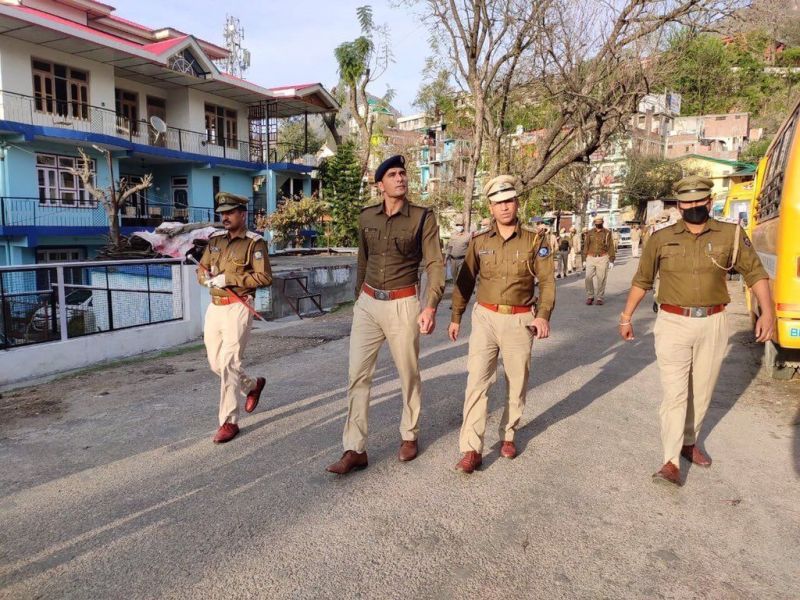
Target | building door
(45,278)
(180,198)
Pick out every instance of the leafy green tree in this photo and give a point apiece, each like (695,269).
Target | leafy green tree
(649,178)
(700,69)
(361,62)
(293,216)
(292,134)
(755,151)
(341,176)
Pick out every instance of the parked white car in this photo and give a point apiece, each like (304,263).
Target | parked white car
(624,237)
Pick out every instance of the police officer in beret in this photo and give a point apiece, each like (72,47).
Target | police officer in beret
(509,257)
(395,238)
(693,257)
(235,259)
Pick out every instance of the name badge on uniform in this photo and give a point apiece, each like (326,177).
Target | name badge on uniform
(214,248)
(485,251)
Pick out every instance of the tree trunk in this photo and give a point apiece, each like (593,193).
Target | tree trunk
(474,159)
(112,212)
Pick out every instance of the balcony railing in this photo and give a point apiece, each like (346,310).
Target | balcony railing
(43,303)
(33,212)
(77,116)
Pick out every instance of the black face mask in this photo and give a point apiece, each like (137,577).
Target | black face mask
(697,215)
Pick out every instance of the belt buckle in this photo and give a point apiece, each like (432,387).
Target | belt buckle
(505,309)
(381,294)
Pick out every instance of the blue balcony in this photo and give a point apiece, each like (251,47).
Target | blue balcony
(48,119)
(33,217)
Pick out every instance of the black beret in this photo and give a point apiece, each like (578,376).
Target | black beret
(396,161)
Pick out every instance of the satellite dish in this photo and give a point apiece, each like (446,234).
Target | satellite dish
(158,125)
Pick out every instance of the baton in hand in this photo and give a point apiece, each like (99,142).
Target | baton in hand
(229,291)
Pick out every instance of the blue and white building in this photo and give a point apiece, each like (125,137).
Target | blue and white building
(74,75)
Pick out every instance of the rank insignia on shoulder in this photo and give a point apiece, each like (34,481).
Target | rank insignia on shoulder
(258,255)
(214,248)
(543,252)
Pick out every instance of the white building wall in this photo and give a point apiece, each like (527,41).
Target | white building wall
(17,77)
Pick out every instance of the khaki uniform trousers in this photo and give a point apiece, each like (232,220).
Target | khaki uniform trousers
(374,321)
(635,248)
(494,334)
(572,264)
(455,267)
(690,353)
(562,265)
(596,265)
(225,333)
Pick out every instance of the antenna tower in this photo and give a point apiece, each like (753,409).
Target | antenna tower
(238,60)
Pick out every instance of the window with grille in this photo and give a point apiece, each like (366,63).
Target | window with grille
(60,90)
(222,126)
(127,107)
(58,186)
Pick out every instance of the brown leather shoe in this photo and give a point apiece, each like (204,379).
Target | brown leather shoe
(408,451)
(693,454)
(471,461)
(226,433)
(508,450)
(254,395)
(589,301)
(669,473)
(350,461)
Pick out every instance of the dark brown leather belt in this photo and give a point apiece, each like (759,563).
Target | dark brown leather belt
(389,294)
(692,311)
(225,300)
(506,309)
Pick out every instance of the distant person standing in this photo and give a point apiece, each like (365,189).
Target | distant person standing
(456,248)
(636,238)
(394,238)
(574,251)
(564,247)
(693,258)
(598,253)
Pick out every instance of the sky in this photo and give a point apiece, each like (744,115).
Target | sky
(293,41)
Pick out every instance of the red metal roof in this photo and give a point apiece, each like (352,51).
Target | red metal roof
(161,47)
(299,86)
(77,26)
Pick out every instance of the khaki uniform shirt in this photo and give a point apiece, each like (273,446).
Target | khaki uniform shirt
(243,260)
(457,246)
(391,250)
(598,242)
(685,263)
(508,271)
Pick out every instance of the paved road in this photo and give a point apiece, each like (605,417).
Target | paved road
(111,488)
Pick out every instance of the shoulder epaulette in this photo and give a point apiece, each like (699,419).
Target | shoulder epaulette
(218,233)
(529,228)
(254,236)
(363,208)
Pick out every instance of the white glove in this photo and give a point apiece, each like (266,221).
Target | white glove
(217,281)
(610,266)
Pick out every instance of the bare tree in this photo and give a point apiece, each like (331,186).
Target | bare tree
(584,64)
(112,197)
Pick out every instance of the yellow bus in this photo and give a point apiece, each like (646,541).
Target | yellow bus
(776,237)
